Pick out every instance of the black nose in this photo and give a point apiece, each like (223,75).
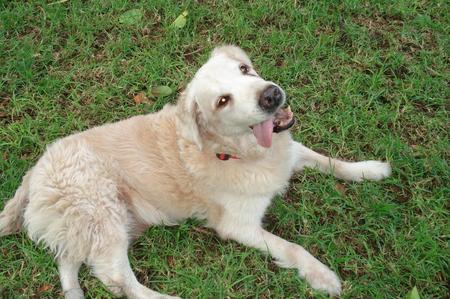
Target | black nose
(270,99)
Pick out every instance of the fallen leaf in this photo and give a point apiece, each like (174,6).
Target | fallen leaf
(139,98)
(171,261)
(161,91)
(180,21)
(142,98)
(44,288)
(340,188)
(414,294)
(131,16)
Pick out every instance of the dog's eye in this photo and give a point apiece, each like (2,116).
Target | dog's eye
(244,68)
(223,101)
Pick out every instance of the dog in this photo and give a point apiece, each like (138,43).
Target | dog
(220,154)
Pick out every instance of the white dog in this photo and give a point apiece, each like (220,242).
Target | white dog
(221,154)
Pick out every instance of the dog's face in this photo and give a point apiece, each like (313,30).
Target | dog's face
(232,99)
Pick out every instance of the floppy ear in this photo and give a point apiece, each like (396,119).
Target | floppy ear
(189,114)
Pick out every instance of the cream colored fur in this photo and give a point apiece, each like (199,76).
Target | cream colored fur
(92,192)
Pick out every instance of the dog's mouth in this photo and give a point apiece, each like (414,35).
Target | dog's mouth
(282,120)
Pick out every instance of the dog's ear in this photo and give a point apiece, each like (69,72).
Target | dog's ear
(189,116)
(232,52)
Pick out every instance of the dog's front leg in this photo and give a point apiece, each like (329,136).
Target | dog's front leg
(287,254)
(350,171)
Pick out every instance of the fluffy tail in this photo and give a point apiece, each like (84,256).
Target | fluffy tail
(11,218)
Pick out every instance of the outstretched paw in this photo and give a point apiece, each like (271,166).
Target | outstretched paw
(320,277)
(371,170)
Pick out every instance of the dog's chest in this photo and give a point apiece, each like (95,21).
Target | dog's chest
(254,178)
(244,189)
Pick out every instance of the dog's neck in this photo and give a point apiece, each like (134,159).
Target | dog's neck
(242,147)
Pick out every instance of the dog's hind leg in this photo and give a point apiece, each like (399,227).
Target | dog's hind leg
(113,268)
(68,274)
(350,171)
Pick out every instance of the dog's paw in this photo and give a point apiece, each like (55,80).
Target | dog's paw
(74,294)
(320,277)
(371,170)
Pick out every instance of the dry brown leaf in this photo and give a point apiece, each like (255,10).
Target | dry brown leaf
(340,188)
(142,98)
(171,261)
(45,287)
(139,98)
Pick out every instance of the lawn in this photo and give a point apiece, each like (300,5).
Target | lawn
(366,79)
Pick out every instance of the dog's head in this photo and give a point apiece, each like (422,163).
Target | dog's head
(227,97)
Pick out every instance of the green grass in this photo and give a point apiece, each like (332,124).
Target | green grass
(366,79)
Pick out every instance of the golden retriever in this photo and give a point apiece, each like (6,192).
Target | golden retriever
(221,154)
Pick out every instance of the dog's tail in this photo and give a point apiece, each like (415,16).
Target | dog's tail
(11,218)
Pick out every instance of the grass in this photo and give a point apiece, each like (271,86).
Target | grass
(366,79)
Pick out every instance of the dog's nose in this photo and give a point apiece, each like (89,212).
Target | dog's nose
(270,98)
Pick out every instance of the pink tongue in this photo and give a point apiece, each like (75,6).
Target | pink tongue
(263,132)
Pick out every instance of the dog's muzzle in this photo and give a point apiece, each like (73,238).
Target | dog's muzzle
(270,99)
